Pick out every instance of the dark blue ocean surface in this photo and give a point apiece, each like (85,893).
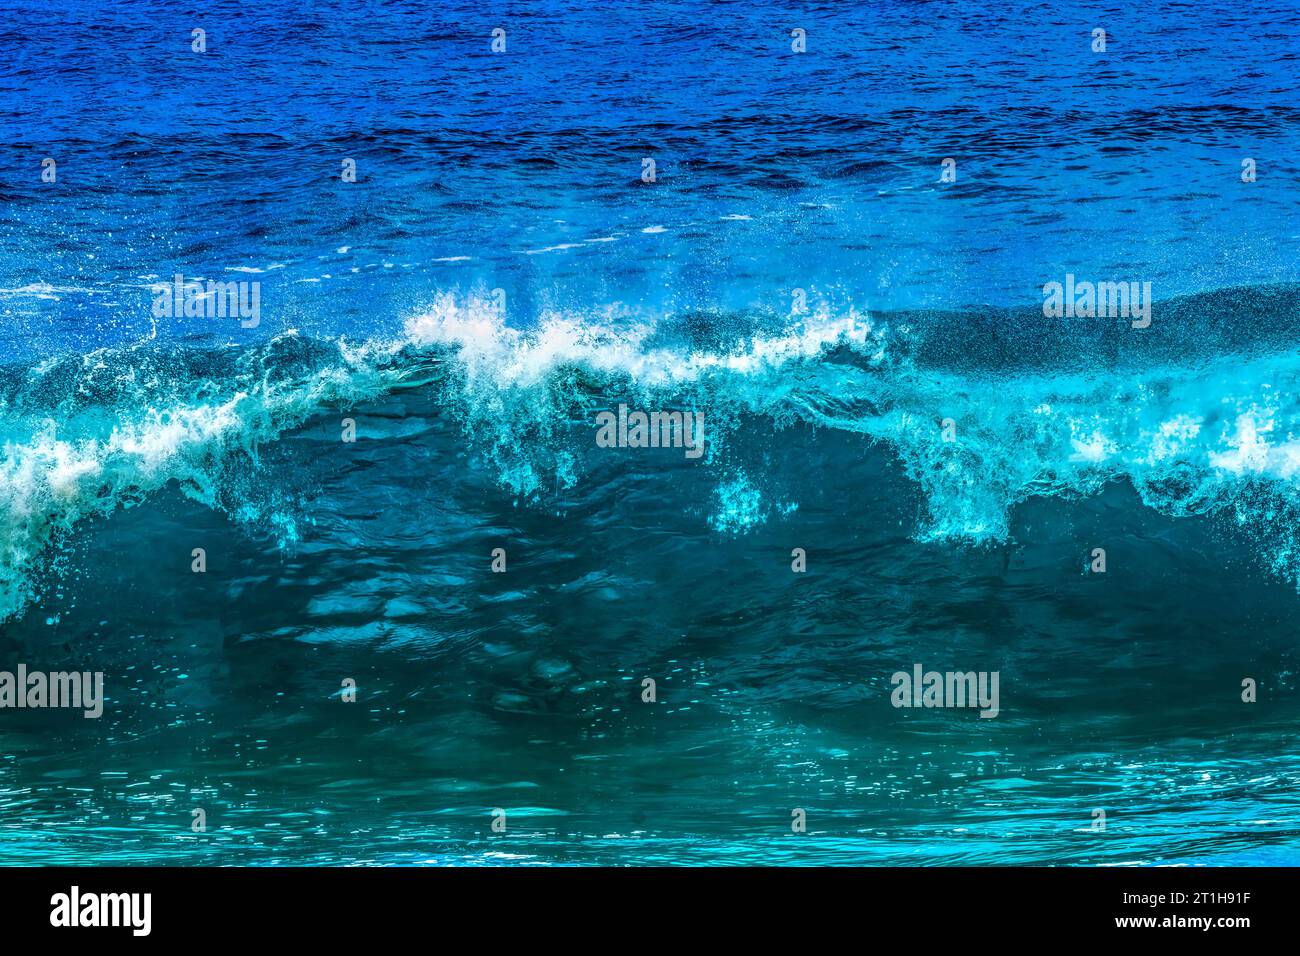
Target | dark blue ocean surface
(830,231)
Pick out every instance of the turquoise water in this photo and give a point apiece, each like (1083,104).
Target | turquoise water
(866,343)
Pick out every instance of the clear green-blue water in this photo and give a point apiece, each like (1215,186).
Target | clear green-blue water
(797,270)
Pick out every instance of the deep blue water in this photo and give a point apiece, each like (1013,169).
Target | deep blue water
(801,272)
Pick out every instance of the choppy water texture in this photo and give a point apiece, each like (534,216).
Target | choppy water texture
(515,178)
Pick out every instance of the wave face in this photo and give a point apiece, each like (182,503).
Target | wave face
(329,559)
(92,434)
(392,481)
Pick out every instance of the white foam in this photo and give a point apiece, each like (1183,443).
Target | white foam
(611,344)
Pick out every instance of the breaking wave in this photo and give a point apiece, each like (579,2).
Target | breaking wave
(978,420)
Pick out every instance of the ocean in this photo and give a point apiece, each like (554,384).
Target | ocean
(309,315)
